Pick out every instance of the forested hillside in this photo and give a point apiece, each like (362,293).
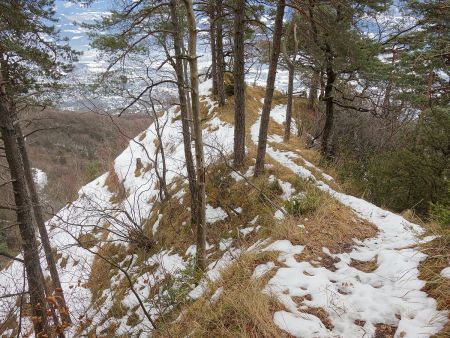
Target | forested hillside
(224,168)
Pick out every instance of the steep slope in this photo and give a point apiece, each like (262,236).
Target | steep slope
(288,254)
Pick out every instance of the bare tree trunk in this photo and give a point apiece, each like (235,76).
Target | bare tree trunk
(291,67)
(270,87)
(322,85)
(198,140)
(177,41)
(288,122)
(187,85)
(329,107)
(212,40)
(163,191)
(40,222)
(312,97)
(387,96)
(24,216)
(239,83)
(220,56)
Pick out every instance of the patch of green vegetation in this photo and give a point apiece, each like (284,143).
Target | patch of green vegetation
(305,203)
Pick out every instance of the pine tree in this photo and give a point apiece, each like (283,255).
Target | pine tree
(332,42)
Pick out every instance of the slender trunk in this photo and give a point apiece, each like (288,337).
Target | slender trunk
(387,96)
(262,140)
(312,97)
(163,192)
(177,42)
(187,85)
(212,40)
(322,85)
(291,67)
(287,127)
(198,140)
(239,83)
(329,107)
(39,218)
(24,217)
(220,56)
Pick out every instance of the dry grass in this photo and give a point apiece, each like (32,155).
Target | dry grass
(116,187)
(242,310)
(385,331)
(175,229)
(101,271)
(142,135)
(369,266)
(138,168)
(100,278)
(332,225)
(430,269)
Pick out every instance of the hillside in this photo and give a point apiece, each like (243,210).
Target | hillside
(69,149)
(289,253)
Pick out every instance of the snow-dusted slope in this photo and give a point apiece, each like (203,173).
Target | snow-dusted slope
(96,208)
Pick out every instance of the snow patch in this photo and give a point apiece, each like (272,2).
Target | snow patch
(214,214)
(446,272)
(39,178)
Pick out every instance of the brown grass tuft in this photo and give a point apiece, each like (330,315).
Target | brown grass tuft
(116,187)
(369,266)
(332,225)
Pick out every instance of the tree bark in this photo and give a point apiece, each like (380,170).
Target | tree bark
(312,97)
(291,67)
(239,83)
(212,41)
(329,106)
(198,140)
(24,216)
(220,56)
(40,222)
(173,4)
(270,87)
